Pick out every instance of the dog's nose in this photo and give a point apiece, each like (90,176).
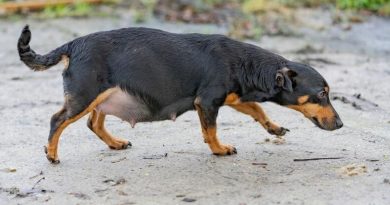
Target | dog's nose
(339,124)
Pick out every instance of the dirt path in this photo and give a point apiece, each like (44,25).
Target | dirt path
(170,164)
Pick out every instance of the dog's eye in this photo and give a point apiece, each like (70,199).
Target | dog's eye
(322,94)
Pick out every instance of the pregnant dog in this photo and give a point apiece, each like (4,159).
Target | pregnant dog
(144,75)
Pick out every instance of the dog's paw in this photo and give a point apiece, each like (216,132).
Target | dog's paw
(120,145)
(224,149)
(278,131)
(51,157)
(52,160)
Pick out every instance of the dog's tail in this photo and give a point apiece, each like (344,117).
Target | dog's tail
(35,61)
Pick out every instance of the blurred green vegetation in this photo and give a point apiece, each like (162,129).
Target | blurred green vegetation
(373,5)
(381,7)
(145,8)
(377,6)
(244,18)
(79,9)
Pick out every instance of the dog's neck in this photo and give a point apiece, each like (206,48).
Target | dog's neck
(256,75)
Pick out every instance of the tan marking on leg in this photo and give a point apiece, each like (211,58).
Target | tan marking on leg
(92,119)
(232,99)
(53,144)
(100,130)
(257,113)
(210,135)
(201,116)
(215,145)
(253,109)
(54,157)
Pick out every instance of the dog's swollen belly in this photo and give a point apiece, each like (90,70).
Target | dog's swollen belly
(133,109)
(126,107)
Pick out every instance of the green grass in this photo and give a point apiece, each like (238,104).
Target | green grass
(373,5)
(77,10)
(381,7)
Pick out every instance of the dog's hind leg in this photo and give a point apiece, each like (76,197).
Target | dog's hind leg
(96,124)
(253,109)
(71,112)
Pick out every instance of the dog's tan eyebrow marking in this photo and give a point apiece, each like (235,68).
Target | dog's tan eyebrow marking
(303,99)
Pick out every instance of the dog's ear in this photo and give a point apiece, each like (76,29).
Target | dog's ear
(284,77)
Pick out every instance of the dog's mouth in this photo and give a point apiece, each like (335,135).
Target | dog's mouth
(324,117)
(327,125)
(316,122)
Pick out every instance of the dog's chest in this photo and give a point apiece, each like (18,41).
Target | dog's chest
(125,106)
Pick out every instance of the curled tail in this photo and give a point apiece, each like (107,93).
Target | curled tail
(35,61)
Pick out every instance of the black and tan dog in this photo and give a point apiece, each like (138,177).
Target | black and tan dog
(142,74)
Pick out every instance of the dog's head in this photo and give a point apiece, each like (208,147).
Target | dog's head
(305,90)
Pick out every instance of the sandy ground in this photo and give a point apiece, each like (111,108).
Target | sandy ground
(170,164)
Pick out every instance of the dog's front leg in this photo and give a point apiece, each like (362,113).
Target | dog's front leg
(207,109)
(254,109)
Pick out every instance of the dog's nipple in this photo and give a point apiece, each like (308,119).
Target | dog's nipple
(173,116)
(132,123)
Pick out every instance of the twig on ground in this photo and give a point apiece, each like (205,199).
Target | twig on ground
(317,158)
(259,163)
(40,173)
(36,183)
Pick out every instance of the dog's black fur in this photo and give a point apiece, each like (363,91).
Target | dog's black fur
(168,72)
(163,68)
